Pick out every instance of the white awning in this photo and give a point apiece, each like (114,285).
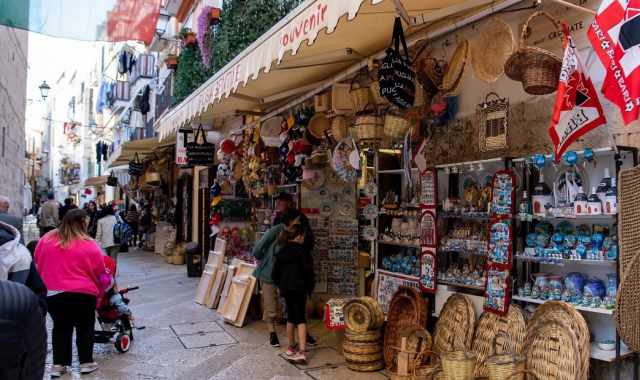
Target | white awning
(287,66)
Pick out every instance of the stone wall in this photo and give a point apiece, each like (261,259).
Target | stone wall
(13,87)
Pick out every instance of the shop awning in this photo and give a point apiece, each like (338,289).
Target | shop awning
(96,181)
(143,148)
(316,41)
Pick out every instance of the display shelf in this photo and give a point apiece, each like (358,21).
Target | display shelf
(459,285)
(596,310)
(551,261)
(396,171)
(604,218)
(483,217)
(608,355)
(398,244)
(462,251)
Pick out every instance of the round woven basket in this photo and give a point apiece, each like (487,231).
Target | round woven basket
(458,365)
(362,358)
(339,128)
(563,312)
(376,365)
(491,49)
(551,351)
(627,313)
(455,326)
(418,341)
(377,315)
(538,69)
(498,334)
(362,348)
(429,373)
(357,316)
(395,127)
(407,307)
(369,127)
(505,367)
(452,79)
(364,337)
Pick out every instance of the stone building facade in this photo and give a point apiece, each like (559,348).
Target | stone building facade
(13,92)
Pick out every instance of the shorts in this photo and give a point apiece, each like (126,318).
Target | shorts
(269,301)
(296,308)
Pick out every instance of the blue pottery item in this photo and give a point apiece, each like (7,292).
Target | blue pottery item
(571,158)
(595,288)
(542,240)
(558,239)
(540,251)
(581,250)
(532,238)
(574,282)
(570,241)
(607,243)
(612,285)
(544,228)
(597,239)
(564,228)
(588,154)
(612,252)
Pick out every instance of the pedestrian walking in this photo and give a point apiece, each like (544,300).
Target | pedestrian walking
(104,233)
(132,220)
(22,332)
(68,205)
(15,259)
(92,211)
(293,274)
(71,264)
(10,219)
(48,215)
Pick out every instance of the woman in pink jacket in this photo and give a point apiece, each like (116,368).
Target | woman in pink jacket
(70,263)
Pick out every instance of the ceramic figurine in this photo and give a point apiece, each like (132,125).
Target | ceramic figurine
(542,197)
(535,292)
(580,205)
(611,199)
(566,295)
(594,203)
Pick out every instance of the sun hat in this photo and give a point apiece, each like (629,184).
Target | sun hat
(452,80)
(491,49)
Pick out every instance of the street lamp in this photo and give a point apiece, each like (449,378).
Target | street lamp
(44,90)
(163,22)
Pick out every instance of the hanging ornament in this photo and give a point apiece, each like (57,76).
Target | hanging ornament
(539,160)
(571,158)
(215,190)
(227,146)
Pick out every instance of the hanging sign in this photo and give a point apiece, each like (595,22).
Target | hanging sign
(181,150)
(200,152)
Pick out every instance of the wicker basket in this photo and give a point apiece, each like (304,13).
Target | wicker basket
(418,341)
(629,218)
(374,366)
(455,326)
(322,102)
(362,314)
(538,69)
(362,348)
(458,365)
(505,365)
(489,327)
(551,351)
(364,337)
(339,128)
(375,94)
(627,312)
(407,307)
(362,358)
(369,127)
(562,312)
(395,127)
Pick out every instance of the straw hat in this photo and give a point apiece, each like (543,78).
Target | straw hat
(490,51)
(270,131)
(452,80)
(318,125)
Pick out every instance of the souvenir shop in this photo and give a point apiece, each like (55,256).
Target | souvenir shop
(469,221)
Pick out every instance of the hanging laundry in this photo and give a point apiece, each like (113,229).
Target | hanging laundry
(101,100)
(142,101)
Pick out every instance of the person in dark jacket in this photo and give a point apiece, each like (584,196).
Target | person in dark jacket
(284,203)
(22,333)
(293,274)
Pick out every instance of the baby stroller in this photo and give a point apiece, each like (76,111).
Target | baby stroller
(116,328)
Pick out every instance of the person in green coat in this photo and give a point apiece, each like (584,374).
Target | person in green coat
(265,251)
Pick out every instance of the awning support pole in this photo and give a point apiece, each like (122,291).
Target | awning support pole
(402,12)
(574,6)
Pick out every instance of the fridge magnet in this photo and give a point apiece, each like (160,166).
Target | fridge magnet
(503,199)
(496,298)
(428,270)
(428,188)
(500,242)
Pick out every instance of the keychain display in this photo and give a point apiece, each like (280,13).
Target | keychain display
(428,229)
(497,293)
(428,272)
(500,242)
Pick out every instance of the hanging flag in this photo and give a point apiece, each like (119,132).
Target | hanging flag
(577,109)
(615,36)
(96,20)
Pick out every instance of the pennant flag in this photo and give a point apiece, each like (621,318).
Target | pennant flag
(577,109)
(615,36)
(96,20)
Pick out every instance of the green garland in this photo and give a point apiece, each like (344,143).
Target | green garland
(190,74)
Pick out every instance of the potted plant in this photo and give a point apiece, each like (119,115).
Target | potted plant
(171,61)
(187,36)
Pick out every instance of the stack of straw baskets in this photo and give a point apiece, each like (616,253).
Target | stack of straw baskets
(363,335)
(554,344)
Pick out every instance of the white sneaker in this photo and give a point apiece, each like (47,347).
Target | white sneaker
(58,370)
(88,367)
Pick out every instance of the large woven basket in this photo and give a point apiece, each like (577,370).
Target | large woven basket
(395,127)
(562,312)
(362,348)
(364,337)
(373,366)
(458,365)
(627,313)
(629,218)
(551,351)
(504,366)
(419,342)
(455,326)
(407,307)
(489,327)
(369,127)
(538,69)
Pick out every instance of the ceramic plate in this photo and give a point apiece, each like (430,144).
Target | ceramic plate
(345,209)
(370,212)
(369,233)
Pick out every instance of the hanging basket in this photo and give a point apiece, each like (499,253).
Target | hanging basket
(339,128)
(395,127)
(538,69)
(370,126)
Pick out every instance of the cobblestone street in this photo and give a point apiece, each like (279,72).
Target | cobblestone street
(183,340)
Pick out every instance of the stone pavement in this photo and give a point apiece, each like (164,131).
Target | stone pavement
(183,340)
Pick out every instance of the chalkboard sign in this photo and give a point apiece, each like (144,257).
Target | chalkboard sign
(200,152)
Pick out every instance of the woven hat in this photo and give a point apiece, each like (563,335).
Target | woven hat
(452,80)
(318,125)
(490,51)
(270,131)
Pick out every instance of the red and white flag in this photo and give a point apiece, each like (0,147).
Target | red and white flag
(615,36)
(577,109)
